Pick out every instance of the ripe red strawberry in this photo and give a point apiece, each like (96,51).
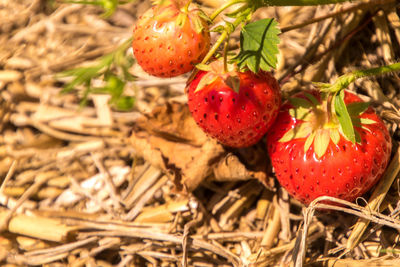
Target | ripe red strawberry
(169,39)
(312,157)
(236,108)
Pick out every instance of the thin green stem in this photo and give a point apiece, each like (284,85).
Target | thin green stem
(221,39)
(345,80)
(377,71)
(226,45)
(186,7)
(225,6)
(301,2)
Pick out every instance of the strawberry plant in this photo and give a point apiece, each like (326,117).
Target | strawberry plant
(325,142)
(329,142)
(234,97)
(312,156)
(113,69)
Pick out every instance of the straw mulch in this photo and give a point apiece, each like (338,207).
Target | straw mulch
(93,186)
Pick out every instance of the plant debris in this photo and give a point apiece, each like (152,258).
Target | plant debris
(97,186)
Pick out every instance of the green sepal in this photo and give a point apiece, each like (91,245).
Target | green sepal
(203,67)
(344,118)
(357,108)
(367,121)
(335,136)
(300,113)
(312,99)
(301,130)
(219,29)
(198,25)
(233,81)
(229,27)
(204,16)
(341,83)
(181,19)
(309,141)
(302,108)
(298,102)
(366,128)
(321,142)
(207,79)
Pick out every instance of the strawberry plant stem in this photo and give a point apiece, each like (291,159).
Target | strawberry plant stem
(377,71)
(226,45)
(345,80)
(222,37)
(299,2)
(225,6)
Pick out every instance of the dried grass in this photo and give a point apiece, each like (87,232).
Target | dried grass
(96,187)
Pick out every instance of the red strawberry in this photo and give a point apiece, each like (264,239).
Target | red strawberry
(312,157)
(236,108)
(169,39)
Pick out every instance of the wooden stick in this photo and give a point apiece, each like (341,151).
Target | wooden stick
(375,201)
(37,227)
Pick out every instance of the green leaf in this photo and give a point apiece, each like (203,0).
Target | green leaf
(259,45)
(344,117)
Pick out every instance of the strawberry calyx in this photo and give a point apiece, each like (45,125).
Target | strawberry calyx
(321,121)
(218,71)
(183,11)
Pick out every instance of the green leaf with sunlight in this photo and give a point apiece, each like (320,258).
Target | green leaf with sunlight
(259,45)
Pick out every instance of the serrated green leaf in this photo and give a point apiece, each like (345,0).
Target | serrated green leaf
(344,117)
(321,142)
(301,130)
(259,45)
